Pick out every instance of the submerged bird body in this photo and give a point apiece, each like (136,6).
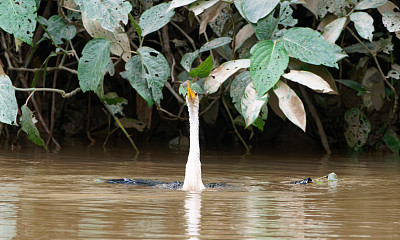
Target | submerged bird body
(193,181)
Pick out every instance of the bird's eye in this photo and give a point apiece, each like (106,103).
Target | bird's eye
(195,93)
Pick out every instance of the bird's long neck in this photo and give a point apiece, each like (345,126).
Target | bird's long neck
(193,181)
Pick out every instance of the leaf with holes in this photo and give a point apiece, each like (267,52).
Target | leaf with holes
(19,18)
(147,73)
(363,23)
(223,72)
(59,29)
(8,102)
(267,28)
(253,10)
(391,20)
(290,104)
(155,18)
(94,60)
(28,126)
(188,58)
(310,80)
(268,62)
(309,46)
(203,69)
(237,88)
(358,128)
(118,38)
(107,12)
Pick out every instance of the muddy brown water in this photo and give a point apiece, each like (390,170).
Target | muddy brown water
(54,196)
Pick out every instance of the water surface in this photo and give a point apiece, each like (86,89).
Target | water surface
(54,196)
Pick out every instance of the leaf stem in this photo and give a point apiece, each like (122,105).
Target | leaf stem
(234,126)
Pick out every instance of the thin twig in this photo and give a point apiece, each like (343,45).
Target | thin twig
(186,35)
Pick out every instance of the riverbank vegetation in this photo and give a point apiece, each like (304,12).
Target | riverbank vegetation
(321,70)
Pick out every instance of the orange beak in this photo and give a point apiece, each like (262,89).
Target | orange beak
(191,95)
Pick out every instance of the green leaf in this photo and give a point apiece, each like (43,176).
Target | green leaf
(28,126)
(358,128)
(309,46)
(350,83)
(147,73)
(253,10)
(107,12)
(114,103)
(268,62)
(19,18)
(238,87)
(215,43)
(59,29)
(369,4)
(363,23)
(267,28)
(391,140)
(94,60)
(188,58)
(119,40)
(155,18)
(203,69)
(8,102)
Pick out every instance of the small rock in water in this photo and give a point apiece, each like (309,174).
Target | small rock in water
(304,181)
(332,176)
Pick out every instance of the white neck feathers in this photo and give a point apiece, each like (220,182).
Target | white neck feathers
(193,181)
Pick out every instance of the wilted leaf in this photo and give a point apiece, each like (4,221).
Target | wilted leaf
(8,102)
(59,29)
(251,104)
(358,128)
(290,104)
(155,18)
(310,80)
(363,23)
(179,3)
(147,73)
(244,33)
(365,4)
(273,102)
(199,6)
(253,10)
(375,89)
(28,126)
(203,69)
(223,72)
(333,30)
(108,12)
(391,140)
(309,46)
(118,39)
(268,62)
(210,15)
(94,60)
(19,18)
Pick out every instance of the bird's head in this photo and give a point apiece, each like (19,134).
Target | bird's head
(191,96)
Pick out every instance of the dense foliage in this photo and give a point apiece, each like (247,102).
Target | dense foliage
(250,56)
